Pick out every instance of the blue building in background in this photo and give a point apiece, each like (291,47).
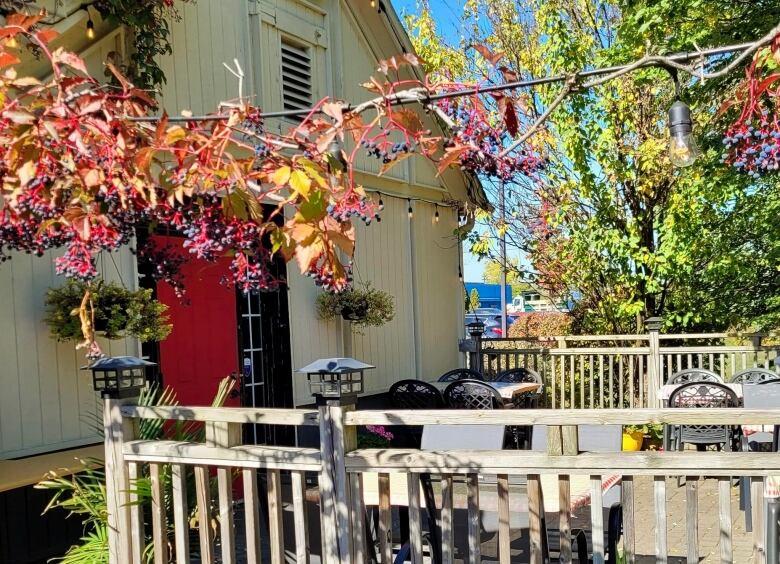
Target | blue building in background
(489,294)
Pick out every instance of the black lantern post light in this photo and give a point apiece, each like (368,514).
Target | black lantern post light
(475,329)
(336,378)
(119,376)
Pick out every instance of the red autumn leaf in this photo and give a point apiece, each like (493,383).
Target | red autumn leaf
(451,156)
(408,119)
(70,59)
(7,59)
(509,113)
(489,55)
(508,74)
(46,35)
(334,110)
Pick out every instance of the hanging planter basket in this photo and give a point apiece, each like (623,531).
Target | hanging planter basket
(118,312)
(363,307)
(356,313)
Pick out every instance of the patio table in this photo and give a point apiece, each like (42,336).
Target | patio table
(507,390)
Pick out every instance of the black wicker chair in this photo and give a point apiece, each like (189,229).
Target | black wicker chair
(519,375)
(522,433)
(694,375)
(704,395)
(415,394)
(412,394)
(472,394)
(755,376)
(460,374)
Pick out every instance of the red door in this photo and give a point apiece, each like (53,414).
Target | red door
(203,345)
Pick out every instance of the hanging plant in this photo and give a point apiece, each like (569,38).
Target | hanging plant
(115,312)
(365,307)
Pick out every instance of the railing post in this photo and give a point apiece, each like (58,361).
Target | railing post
(335,442)
(653,326)
(117,430)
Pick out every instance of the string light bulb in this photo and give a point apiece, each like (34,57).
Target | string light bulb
(13,43)
(381,204)
(410,210)
(436,215)
(90,29)
(460,273)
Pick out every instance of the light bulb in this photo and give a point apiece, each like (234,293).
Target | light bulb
(410,211)
(381,204)
(12,43)
(90,29)
(373,3)
(683,149)
(436,215)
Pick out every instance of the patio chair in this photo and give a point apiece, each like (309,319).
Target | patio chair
(412,394)
(522,433)
(460,374)
(472,394)
(519,375)
(755,397)
(704,395)
(694,375)
(754,376)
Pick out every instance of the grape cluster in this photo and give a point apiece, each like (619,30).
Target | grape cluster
(165,265)
(472,129)
(252,273)
(386,150)
(254,122)
(77,262)
(324,276)
(753,147)
(353,205)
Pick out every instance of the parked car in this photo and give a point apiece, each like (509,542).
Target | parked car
(485,313)
(492,327)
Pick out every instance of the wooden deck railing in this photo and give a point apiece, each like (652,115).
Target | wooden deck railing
(340,467)
(618,371)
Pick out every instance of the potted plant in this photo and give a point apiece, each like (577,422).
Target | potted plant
(642,437)
(633,438)
(116,312)
(365,306)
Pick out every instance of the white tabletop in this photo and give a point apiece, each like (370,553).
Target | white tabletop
(507,390)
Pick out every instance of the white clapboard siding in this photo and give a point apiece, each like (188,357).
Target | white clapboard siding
(383,258)
(207,35)
(439,289)
(47,401)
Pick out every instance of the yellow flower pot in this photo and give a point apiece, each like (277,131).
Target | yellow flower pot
(633,441)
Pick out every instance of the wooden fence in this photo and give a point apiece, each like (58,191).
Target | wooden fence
(340,467)
(618,371)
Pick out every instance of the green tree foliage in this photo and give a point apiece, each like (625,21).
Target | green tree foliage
(474,302)
(609,219)
(514,275)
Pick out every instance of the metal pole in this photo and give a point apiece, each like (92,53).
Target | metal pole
(502,251)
